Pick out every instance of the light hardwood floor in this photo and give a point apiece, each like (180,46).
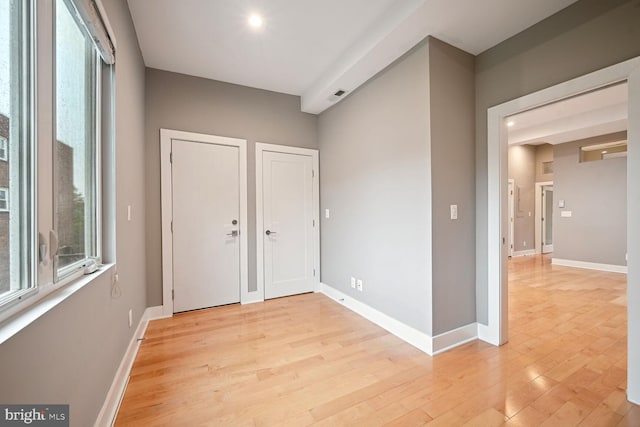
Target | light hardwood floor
(307,360)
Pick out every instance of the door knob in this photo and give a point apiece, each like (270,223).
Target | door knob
(269,232)
(234,233)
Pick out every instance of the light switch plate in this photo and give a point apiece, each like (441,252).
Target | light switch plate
(454,211)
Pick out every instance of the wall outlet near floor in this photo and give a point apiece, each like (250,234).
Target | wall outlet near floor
(353,282)
(130,317)
(359,285)
(524,243)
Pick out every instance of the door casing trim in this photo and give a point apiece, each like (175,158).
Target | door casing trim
(166,196)
(496,330)
(260,148)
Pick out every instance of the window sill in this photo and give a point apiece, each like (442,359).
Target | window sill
(40,306)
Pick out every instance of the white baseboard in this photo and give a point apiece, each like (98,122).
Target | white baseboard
(107,415)
(590,265)
(418,339)
(251,301)
(454,338)
(154,313)
(527,252)
(486,334)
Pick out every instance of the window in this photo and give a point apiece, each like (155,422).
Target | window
(3,148)
(4,200)
(76,141)
(50,89)
(17,225)
(608,150)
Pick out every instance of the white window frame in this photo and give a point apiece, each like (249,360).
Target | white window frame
(4,148)
(76,269)
(5,199)
(44,290)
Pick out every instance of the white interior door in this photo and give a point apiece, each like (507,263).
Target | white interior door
(206,214)
(547,219)
(288,224)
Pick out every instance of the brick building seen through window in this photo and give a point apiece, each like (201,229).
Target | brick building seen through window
(68,205)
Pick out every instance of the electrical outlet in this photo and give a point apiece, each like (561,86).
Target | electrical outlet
(353,282)
(524,243)
(359,284)
(130,317)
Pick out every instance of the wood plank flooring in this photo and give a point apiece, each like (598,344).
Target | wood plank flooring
(307,360)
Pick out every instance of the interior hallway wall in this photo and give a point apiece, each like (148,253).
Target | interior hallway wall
(596,195)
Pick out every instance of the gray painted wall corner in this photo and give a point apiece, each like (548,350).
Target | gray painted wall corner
(452,142)
(375,180)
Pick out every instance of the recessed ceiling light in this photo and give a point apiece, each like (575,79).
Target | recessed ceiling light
(255,21)
(511,123)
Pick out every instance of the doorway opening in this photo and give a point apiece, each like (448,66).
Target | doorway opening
(496,330)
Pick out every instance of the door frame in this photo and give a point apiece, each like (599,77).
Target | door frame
(543,231)
(537,241)
(496,330)
(166,196)
(511,184)
(260,148)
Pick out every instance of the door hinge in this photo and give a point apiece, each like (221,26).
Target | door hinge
(314,272)
(172,226)
(313,173)
(314,222)
(171,157)
(173,295)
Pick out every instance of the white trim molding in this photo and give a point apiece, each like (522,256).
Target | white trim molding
(454,338)
(497,301)
(420,340)
(166,138)
(527,252)
(589,265)
(260,149)
(109,411)
(416,338)
(537,237)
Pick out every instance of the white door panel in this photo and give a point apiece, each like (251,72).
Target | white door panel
(288,224)
(206,247)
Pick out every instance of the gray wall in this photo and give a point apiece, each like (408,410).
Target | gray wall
(596,194)
(180,102)
(522,169)
(375,179)
(452,93)
(586,36)
(70,355)
(394,156)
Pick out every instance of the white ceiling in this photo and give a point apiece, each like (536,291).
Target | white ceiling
(312,48)
(592,114)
